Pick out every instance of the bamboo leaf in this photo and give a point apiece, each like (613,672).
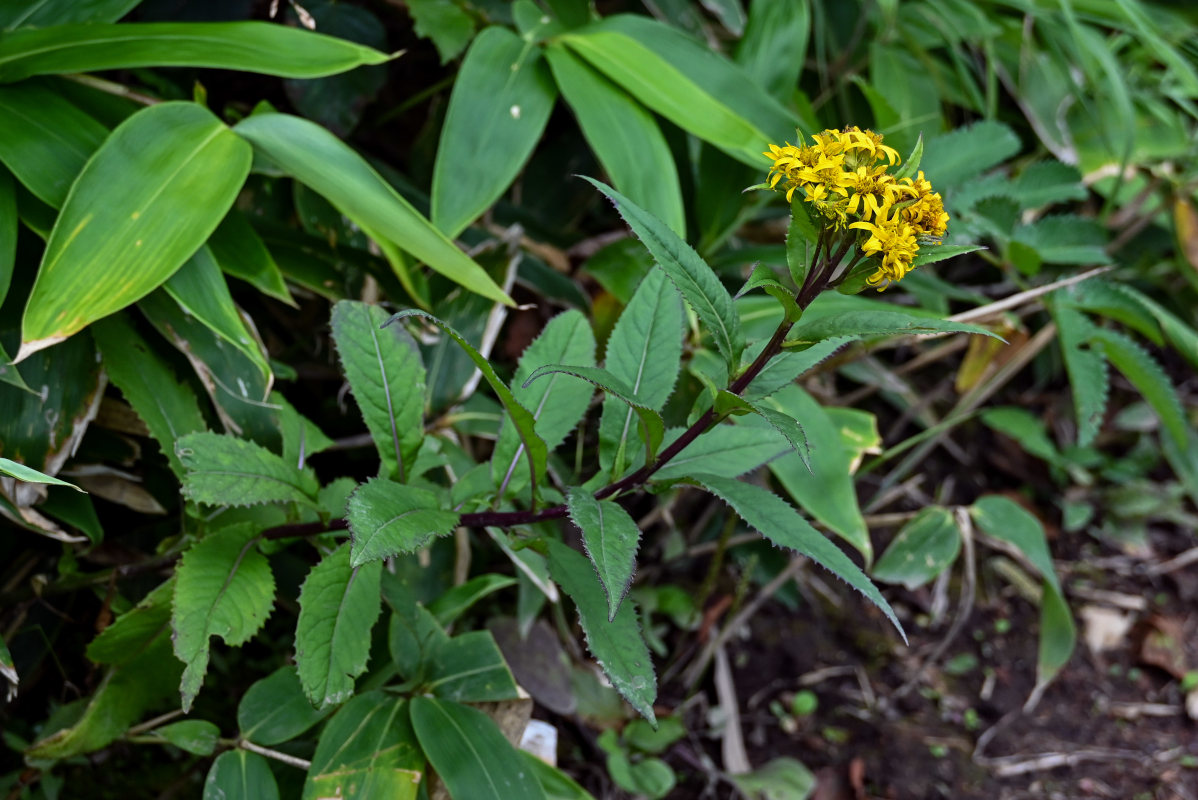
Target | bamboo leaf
(40,13)
(274,709)
(470,669)
(367,750)
(240,251)
(611,538)
(23,473)
(240,775)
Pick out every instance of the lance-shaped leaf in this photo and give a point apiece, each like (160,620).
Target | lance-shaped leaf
(497,111)
(240,252)
(9,227)
(28,475)
(623,135)
(784,368)
(726,450)
(1139,367)
(8,671)
(321,161)
(167,406)
(148,198)
(224,588)
(40,13)
(534,448)
(777,520)
(262,47)
(557,404)
(644,351)
(869,324)
(228,471)
(386,518)
(780,421)
(454,602)
(240,775)
(652,426)
(611,538)
(387,377)
(338,606)
(687,271)
(470,753)
(45,139)
(1087,370)
(617,644)
(367,750)
(933,253)
(470,669)
(274,709)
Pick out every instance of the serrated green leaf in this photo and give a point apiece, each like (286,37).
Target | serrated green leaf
(534,448)
(1087,371)
(367,750)
(274,709)
(616,644)
(1047,182)
(167,406)
(497,111)
(240,775)
(23,473)
(227,471)
(470,669)
(338,606)
(687,271)
(611,538)
(869,324)
(1139,367)
(932,253)
(325,164)
(623,135)
(267,48)
(953,158)
(196,736)
(456,601)
(136,629)
(387,378)
(764,278)
(923,548)
(470,753)
(224,587)
(143,204)
(387,518)
(557,404)
(783,423)
(1066,239)
(777,520)
(786,367)
(725,450)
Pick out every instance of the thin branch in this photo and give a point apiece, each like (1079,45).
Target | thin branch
(245,744)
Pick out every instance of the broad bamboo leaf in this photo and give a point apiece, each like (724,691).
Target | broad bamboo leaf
(23,473)
(1139,367)
(611,538)
(367,750)
(45,139)
(319,160)
(168,407)
(338,607)
(470,669)
(388,518)
(777,520)
(557,784)
(224,587)
(617,644)
(263,47)
(144,203)
(497,111)
(228,471)
(624,137)
(240,775)
(1087,370)
(534,448)
(644,351)
(726,450)
(9,227)
(40,13)
(274,709)
(687,271)
(240,251)
(387,378)
(774,47)
(557,404)
(923,548)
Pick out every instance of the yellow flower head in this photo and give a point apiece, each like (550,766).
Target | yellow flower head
(894,241)
(927,213)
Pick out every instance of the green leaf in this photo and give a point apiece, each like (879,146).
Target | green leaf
(448,25)
(624,137)
(145,202)
(725,450)
(1047,182)
(470,669)
(1026,428)
(687,271)
(534,448)
(556,784)
(786,367)
(764,278)
(1066,239)
(274,709)
(617,644)
(557,405)
(224,588)
(200,290)
(802,234)
(240,252)
(644,351)
(367,750)
(923,548)
(871,324)
(9,231)
(452,603)
(387,518)
(227,471)
(301,438)
(266,48)
(414,636)
(652,426)
(240,775)
(24,473)
(776,520)
(497,111)
(167,406)
(910,165)
(954,158)
(1180,335)
(319,160)
(137,629)
(8,671)
(196,736)
(41,13)
(45,139)
(781,779)
(1087,370)
(611,538)
(387,377)
(933,253)
(1139,367)
(781,422)
(773,49)
(338,606)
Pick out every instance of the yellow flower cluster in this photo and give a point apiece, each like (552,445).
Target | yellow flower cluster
(845,176)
